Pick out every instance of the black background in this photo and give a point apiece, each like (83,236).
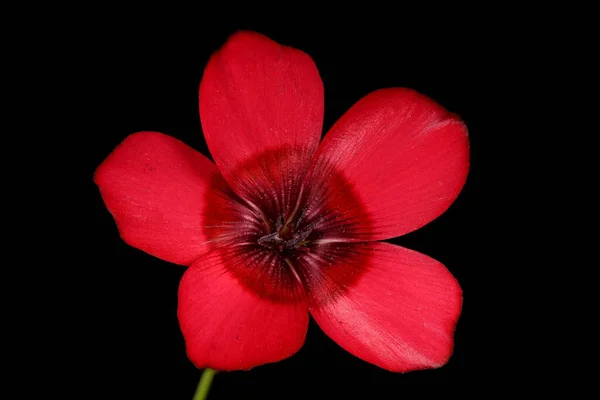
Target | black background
(145,76)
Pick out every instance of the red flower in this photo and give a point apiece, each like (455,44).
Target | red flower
(283,226)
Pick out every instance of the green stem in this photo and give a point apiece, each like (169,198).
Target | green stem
(204,384)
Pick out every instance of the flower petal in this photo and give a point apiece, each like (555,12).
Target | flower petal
(227,326)
(404,156)
(261,104)
(399,314)
(157,189)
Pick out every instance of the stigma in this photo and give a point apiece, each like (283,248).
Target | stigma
(287,236)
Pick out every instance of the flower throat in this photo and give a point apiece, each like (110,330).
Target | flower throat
(287,236)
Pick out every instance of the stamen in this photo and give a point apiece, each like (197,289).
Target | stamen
(285,237)
(270,239)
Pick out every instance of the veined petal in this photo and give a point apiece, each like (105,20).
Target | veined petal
(228,326)
(402,155)
(157,189)
(390,306)
(261,105)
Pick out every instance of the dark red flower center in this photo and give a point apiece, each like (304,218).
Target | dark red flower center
(286,232)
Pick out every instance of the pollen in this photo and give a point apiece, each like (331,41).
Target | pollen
(286,237)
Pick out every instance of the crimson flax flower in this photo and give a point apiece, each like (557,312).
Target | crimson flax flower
(282,226)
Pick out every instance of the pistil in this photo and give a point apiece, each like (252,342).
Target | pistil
(285,237)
